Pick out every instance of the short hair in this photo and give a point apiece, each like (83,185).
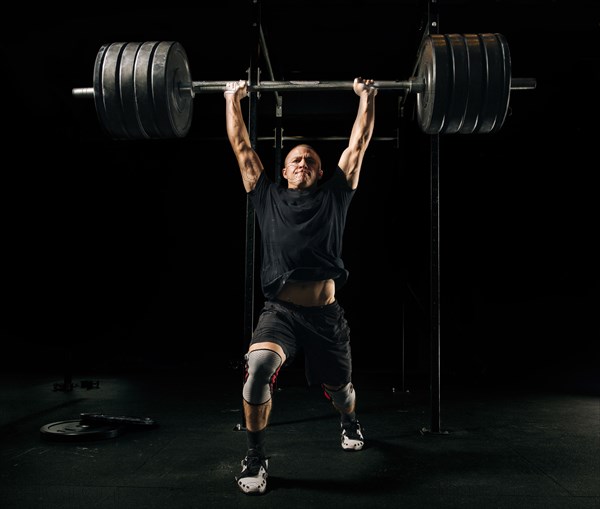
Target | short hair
(310,147)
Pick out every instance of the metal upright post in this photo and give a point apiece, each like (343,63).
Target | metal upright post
(278,135)
(434,314)
(253,79)
(434,294)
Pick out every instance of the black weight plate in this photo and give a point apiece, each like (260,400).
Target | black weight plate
(476,83)
(459,82)
(131,121)
(142,83)
(493,104)
(425,72)
(181,104)
(75,431)
(434,69)
(98,97)
(170,69)
(502,110)
(110,91)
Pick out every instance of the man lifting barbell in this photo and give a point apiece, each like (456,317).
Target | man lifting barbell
(302,225)
(145,91)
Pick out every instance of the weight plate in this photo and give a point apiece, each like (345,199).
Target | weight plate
(475,83)
(498,92)
(98,97)
(494,105)
(425,73)
(434,70)
(173,109)
(75,431)
(142,84)
(507,64)
(507,68)
(180,103)
(131,121)
(110,94)
(459,83)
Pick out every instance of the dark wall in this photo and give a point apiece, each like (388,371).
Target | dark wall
(131,254)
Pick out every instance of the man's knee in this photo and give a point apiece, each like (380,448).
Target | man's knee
(343,397)
(262,368)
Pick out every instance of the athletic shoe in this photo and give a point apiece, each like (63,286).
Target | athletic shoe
(352,437)
(253,478)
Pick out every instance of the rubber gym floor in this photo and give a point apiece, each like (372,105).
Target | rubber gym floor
(529,445)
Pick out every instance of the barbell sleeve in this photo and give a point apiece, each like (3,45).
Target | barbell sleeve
(83,93)
(523,83)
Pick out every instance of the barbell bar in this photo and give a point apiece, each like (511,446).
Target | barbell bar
(144,90)
(205,87)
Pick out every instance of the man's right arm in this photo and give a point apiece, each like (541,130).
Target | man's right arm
(237,132)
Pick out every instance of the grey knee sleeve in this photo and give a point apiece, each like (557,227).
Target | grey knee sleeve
(343,398)
(262,368)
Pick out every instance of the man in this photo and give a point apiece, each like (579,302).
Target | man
(301,226)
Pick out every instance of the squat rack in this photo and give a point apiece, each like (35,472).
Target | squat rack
(259,44)
(463,84)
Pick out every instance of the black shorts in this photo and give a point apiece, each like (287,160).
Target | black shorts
(322,332)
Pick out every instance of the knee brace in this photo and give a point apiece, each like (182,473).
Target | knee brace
(343,398)
(262,368)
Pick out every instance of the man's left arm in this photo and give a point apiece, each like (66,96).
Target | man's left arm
(362,131)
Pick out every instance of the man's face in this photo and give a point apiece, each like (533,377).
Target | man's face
(302,168)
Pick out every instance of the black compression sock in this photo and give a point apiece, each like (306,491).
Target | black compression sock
(348,418)
(256,441)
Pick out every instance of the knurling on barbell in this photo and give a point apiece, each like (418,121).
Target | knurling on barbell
(144,90)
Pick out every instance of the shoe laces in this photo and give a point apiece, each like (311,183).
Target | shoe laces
(352,429)
(253,463)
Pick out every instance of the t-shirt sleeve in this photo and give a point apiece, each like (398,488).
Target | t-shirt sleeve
(338,180)
(339,185)
(258,194)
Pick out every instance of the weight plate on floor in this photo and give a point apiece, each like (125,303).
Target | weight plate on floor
(75,431)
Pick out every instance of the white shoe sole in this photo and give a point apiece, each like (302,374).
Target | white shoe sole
(256,485)
(349,444)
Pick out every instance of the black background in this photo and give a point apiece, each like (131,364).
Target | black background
(130,255)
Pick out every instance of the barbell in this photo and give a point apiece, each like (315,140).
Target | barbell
(144,90)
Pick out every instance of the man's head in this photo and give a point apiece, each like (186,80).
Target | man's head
(302,168)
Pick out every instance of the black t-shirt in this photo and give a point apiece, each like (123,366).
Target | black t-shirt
(301,231)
